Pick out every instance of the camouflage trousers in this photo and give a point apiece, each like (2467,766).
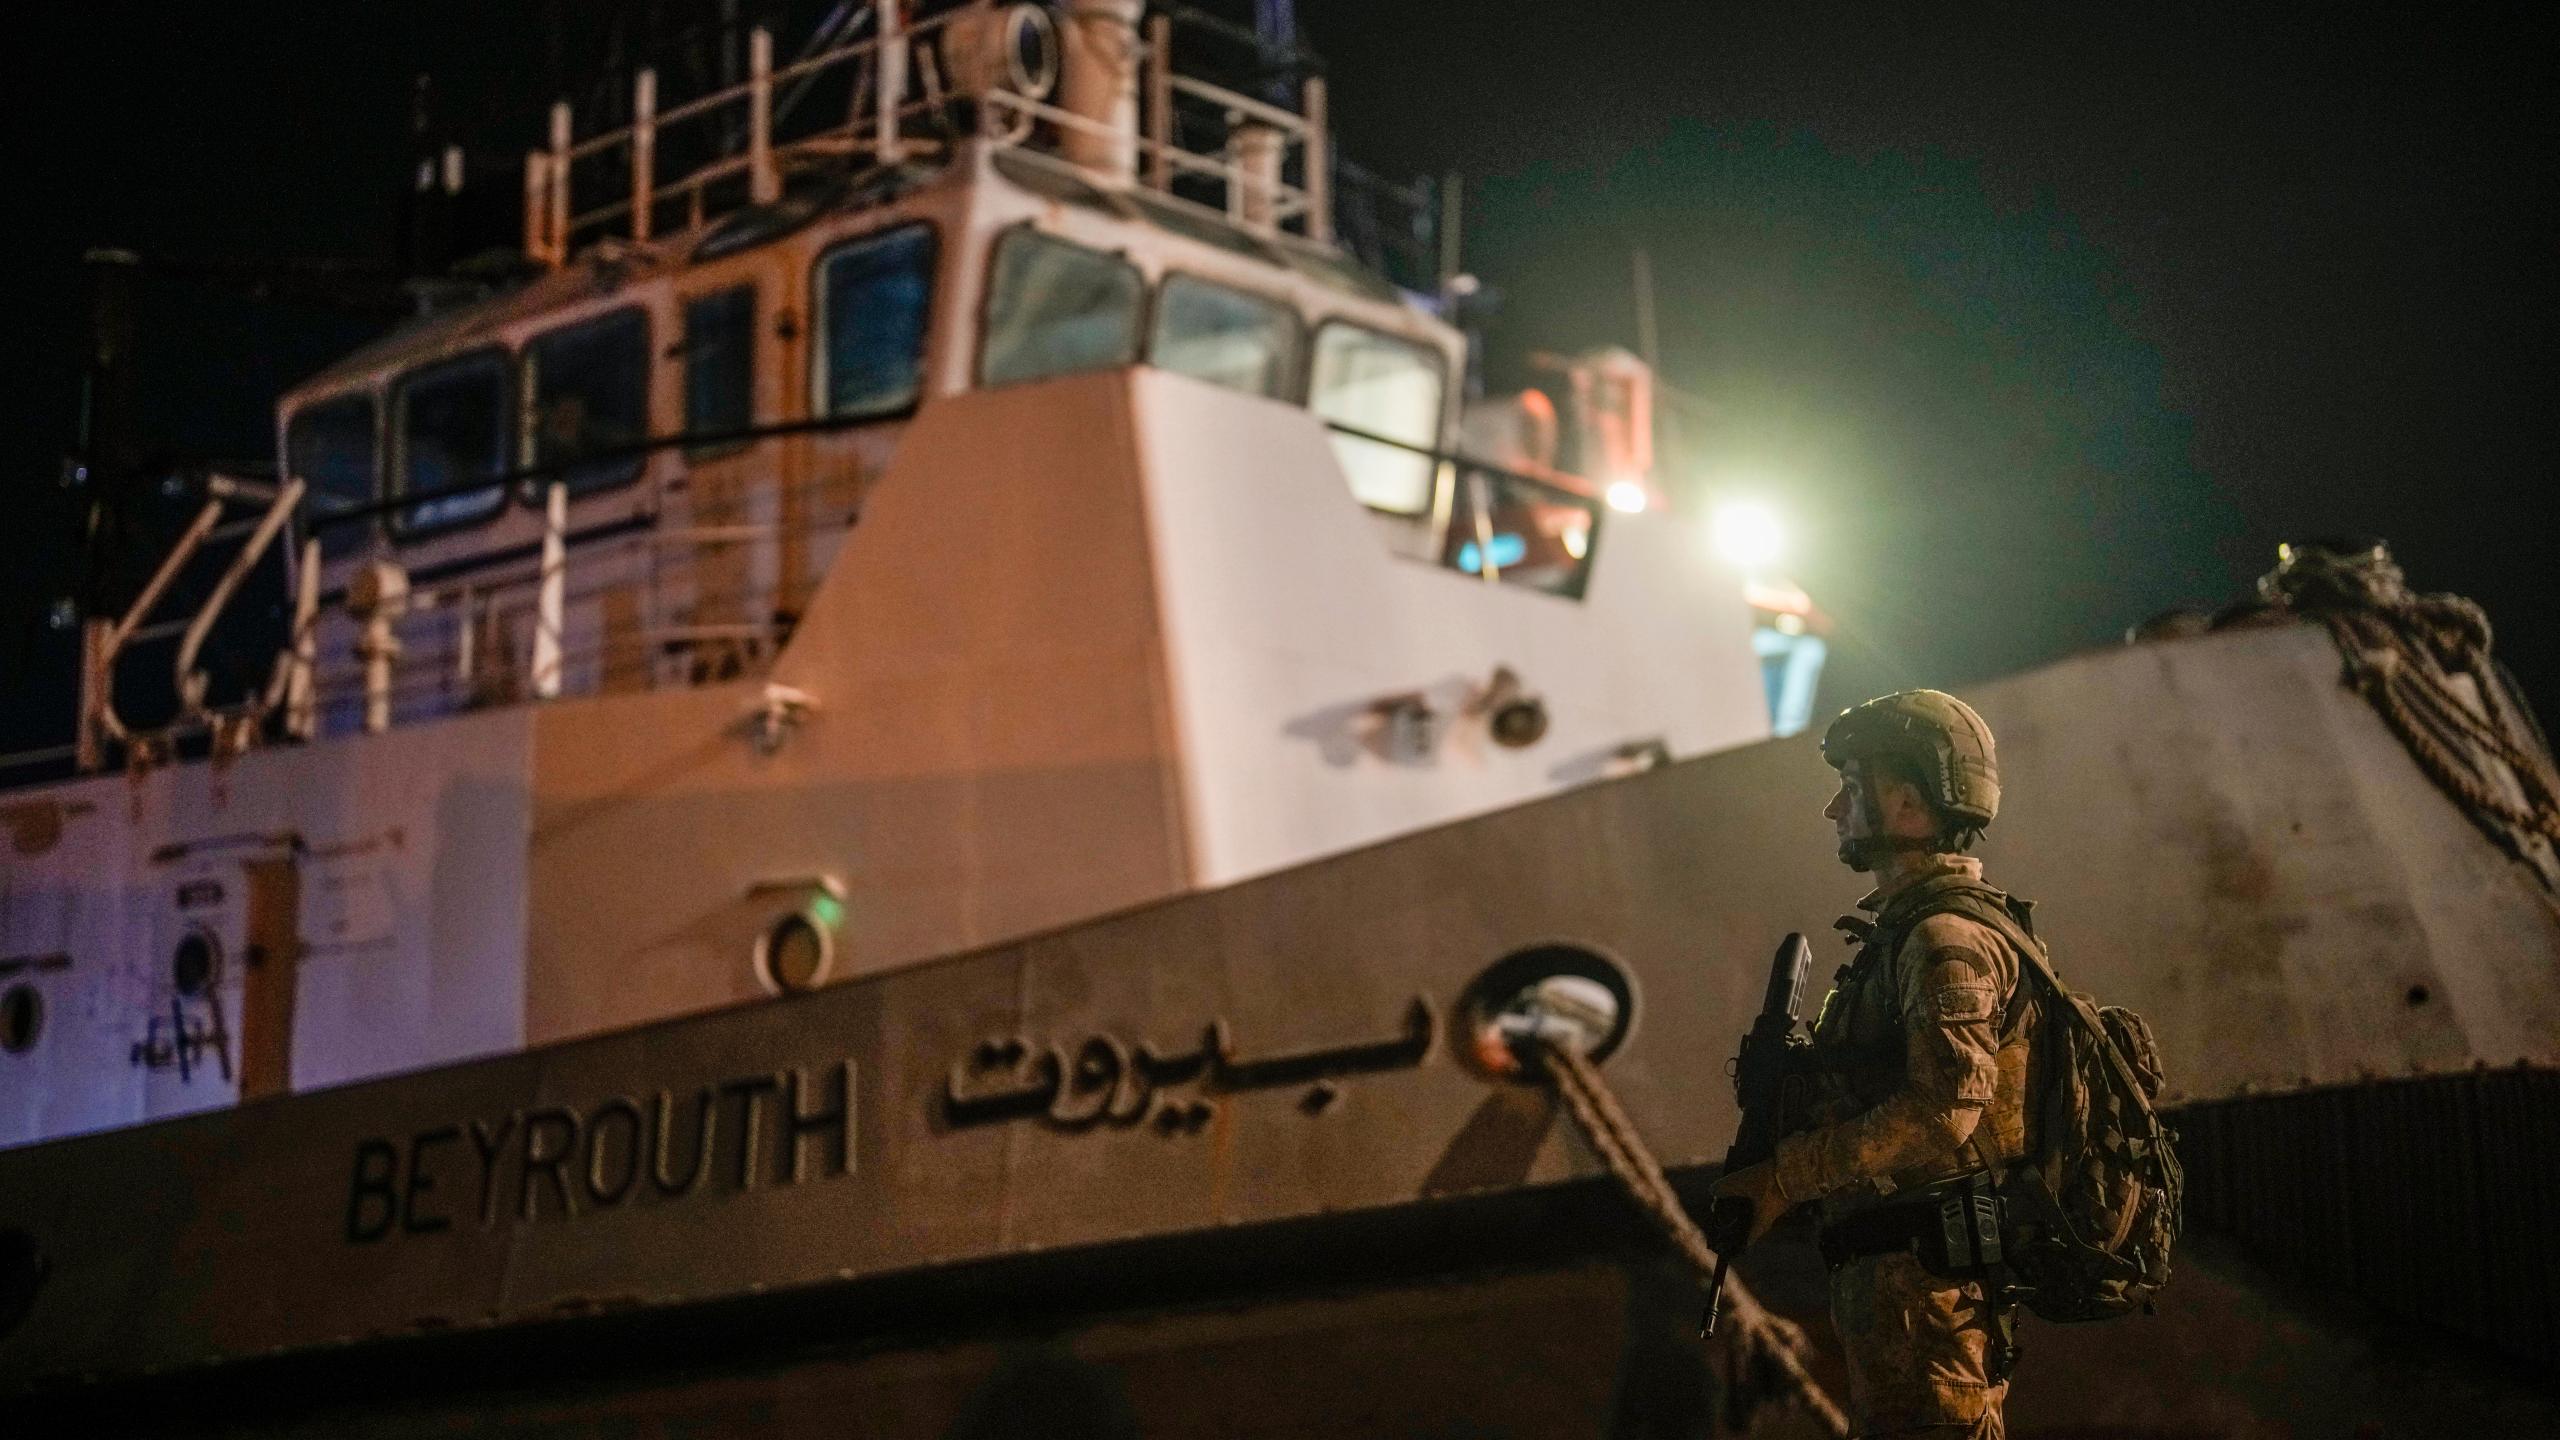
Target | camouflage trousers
(1925,1356)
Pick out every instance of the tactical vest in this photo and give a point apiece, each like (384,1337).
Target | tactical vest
(2090,1218)
(1860,1039)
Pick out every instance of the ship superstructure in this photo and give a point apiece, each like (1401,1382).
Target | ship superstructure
(976,494)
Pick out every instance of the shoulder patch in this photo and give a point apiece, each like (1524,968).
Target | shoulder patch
(1960,987)
(1962,1004)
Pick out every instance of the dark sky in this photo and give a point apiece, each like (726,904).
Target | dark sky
(2035,322)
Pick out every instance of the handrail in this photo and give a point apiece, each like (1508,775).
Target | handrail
(901,78)
(1563,482)
(1568,487)
(179,554)
(1242,104)
(885,52)
(602,455)
(511,555)
(280,507)
(99,716)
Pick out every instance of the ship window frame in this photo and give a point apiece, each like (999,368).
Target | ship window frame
(821,378)
(749,339)
(404,529)
(345,537)
(607,474)
(1141,315)
(1439,419)
(1295,368)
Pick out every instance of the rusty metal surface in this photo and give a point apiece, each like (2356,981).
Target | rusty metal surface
(1299,1067)
(1237,1092)
(2432,1198)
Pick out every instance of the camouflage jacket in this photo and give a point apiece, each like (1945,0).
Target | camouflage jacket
(1921,1057)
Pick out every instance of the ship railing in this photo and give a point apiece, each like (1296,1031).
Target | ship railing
(105,642)
(900,89)
(534,591)
(1500,524)
(531,583)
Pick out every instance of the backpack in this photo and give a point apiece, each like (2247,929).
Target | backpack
(2092,1214)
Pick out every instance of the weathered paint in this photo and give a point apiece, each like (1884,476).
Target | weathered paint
(226,1235)
(401,860)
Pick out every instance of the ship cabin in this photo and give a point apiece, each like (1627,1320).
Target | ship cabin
(684,407)
(946,487)
(693,423)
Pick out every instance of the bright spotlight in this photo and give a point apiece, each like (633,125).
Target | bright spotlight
(1626,495)
(1747,534)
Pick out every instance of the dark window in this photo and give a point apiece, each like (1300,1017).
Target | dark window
(453,438)
(329,447)
(720,364)
(589,385)
(1224,336)
(1055,308)
(873,298)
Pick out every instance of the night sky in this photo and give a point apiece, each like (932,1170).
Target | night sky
(2034,322)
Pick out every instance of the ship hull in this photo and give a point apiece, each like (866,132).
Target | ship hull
(1196,1144)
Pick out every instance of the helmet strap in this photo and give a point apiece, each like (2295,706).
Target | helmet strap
(1868,853)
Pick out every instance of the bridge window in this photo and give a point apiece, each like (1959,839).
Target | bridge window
(1224,336)
(719,366)
(329,447)
(451,419)
(589,387)
(1388,388)
(1055,308)
(1521,531)
(873,297)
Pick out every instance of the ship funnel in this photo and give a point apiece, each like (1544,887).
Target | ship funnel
(1098,85)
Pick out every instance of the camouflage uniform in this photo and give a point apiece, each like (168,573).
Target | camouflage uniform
(1923,1079)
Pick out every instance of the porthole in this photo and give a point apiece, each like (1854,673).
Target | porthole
(195,964)
(21,1018)
(795,954)
(1559,983)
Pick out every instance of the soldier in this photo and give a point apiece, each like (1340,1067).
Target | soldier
(1917,1075)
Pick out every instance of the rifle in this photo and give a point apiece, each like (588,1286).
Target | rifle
(1759,1075)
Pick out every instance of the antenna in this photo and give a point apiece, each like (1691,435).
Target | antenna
(1648,343)
(1275,30)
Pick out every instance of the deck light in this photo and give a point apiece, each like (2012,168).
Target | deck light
(1748,535)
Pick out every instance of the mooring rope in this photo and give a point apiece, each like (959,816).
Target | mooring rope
(2403,653)
(1758,1335)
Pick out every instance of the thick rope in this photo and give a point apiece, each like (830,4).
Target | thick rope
(2403,652)
(2395,688)
(1758,1333)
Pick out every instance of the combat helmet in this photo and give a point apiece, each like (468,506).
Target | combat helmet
(1942,745)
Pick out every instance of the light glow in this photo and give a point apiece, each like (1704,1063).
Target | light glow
(1626,495)
(1748,535)
(1508,550)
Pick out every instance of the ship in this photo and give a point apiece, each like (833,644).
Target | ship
(909,761)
